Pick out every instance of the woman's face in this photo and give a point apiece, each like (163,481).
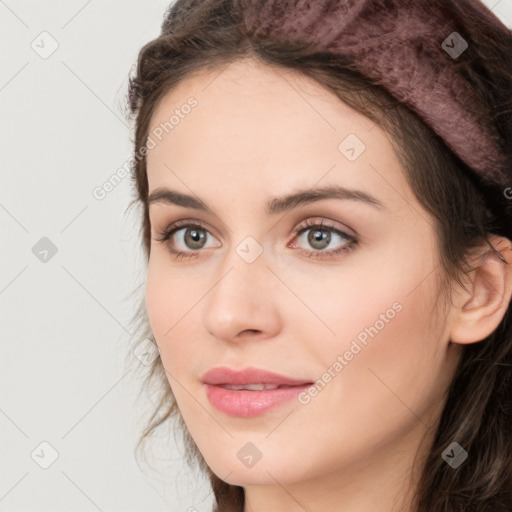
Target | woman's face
(348,307)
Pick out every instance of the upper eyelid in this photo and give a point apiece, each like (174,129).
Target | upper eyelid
(325,223)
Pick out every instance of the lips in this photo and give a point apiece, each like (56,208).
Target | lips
(250,392)
(224,376)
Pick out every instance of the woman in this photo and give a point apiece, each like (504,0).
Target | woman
(326,216)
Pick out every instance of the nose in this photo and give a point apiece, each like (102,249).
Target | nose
(242,303)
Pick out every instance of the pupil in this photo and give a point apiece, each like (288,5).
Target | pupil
(194,236)
(320,237)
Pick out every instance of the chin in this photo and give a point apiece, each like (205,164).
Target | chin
(249,476)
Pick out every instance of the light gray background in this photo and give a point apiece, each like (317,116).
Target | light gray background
(64,328)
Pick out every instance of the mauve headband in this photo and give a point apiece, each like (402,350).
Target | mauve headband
(409,47)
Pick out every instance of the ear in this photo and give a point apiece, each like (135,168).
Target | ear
(483,307)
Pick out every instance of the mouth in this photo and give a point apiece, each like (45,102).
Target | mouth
(253,387)
(250,392)
(224,376)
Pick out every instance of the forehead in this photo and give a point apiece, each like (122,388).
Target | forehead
(262,126)
(250,98)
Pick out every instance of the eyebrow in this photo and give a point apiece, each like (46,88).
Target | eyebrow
(276,205)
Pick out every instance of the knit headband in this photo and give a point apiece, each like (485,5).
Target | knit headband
(413,49)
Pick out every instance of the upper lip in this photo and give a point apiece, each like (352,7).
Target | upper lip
(224,375)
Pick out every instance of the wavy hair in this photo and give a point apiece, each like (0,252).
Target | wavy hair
(208,34)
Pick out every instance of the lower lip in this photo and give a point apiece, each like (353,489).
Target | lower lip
(245,403)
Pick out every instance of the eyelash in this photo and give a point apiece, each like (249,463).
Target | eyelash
(167,233)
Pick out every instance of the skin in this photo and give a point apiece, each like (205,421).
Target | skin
(259,133)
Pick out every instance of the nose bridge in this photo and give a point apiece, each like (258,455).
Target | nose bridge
(241,296)
(244,264)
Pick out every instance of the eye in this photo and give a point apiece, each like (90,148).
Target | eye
(189,235)
(186,239)
(320,235)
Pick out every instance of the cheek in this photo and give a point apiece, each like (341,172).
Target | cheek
(397,374)
(172,302)
(165,305)
(382,329)
(157,299)
(168,294)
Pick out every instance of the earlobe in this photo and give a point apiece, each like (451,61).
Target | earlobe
(483,307)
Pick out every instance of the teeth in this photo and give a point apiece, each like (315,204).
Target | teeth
(251,387)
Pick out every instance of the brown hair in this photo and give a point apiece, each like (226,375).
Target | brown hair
(208,34)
